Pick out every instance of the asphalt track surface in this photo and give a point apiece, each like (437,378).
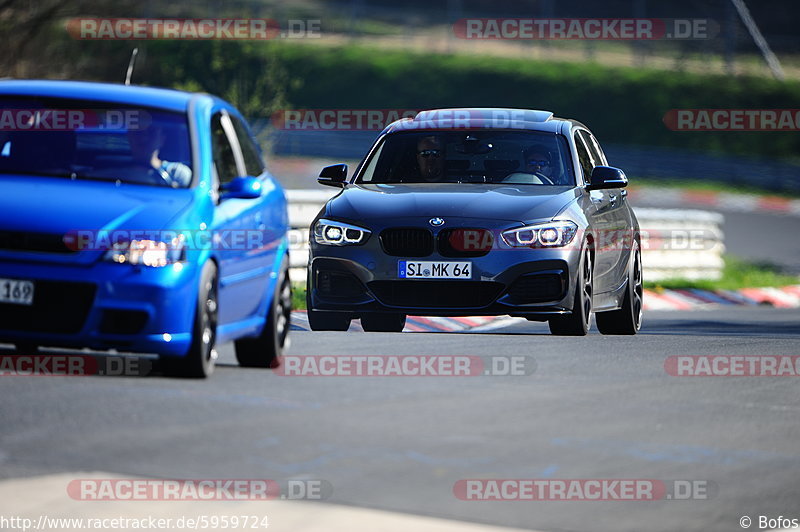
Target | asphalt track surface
(597,407)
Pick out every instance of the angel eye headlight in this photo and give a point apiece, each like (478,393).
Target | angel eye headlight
(333,233)
(544,235)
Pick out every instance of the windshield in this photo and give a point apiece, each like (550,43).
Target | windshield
(82,139)
(503,157)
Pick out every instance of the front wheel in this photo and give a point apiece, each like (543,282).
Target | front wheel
(26,348)
(266,350)
(383,322)
(577,323)
(200,359)
(321,320)
(628,319)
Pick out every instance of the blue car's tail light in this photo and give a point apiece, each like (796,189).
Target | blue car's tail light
(544,235)
(332,233)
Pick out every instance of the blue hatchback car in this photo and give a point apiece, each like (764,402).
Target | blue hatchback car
(141,220)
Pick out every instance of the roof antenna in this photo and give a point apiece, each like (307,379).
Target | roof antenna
(130,66)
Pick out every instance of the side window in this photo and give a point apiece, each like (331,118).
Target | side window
(583,158)
(224,160)
(594,148)
(252,159)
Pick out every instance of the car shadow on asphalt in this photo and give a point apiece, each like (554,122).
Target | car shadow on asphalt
(75,363)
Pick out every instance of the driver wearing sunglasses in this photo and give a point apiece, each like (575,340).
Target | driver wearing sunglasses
(537,168)
(430,158)
(539,162)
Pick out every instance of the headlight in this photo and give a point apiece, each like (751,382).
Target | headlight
(331,233)
(545,235)
(147,252)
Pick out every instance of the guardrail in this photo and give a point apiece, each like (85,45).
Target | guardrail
(676,243)
(681,244)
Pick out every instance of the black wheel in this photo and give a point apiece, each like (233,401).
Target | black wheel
(26,348)
(200,359)
(577,323)
(266,350)
(383,322)
(321,320)
(628,319)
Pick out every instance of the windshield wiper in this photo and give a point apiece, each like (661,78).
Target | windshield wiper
(66,175)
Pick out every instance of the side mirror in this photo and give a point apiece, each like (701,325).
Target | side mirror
(607,177)
(333,176)
(243,187)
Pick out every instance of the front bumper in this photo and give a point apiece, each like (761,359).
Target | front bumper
(517,282)
(103,306)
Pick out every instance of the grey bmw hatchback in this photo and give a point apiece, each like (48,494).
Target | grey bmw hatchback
(479,211)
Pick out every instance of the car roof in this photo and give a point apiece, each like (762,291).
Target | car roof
(480,118)
(168,99)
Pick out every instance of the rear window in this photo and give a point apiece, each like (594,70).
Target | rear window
(81,139)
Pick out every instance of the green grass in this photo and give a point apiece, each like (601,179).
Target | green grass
(707,186)
(299,296)
(736,274)
(620,103)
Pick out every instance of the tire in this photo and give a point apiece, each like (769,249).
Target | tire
(321,320)
(628,319)
(383,322)
(26,348)
(198,363)
(577,322)
(266,350)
